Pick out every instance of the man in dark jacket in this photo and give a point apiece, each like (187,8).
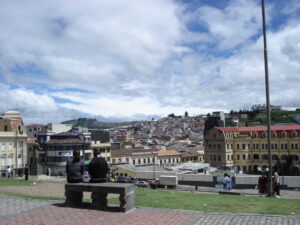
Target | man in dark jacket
(74,168)
(98,168)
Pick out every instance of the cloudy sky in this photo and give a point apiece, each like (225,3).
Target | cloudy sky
(128,58)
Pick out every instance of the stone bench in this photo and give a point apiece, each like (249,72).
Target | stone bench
(74,194)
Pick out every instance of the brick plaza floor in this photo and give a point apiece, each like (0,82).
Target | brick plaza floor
(15,210)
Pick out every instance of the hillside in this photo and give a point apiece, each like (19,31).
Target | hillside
(277,117)
(95,124)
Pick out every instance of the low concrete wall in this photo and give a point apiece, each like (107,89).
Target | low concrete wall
(240,181)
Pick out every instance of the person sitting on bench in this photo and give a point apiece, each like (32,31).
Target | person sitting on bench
(74,168)
(98,168)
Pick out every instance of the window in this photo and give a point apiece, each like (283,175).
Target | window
(209,146)
(238,157)
(5,128)
(219,146)
(286,146)
(228,157)
(238,146)
(296,146)
(215,158)
(10,147)
(244,146)
(282,146)
(3,147)
(256,156)
(133,161)
(244,156)
(219,158)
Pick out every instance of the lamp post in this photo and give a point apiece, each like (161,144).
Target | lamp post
(270,192)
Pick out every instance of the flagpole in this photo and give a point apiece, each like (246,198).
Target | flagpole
(270,190)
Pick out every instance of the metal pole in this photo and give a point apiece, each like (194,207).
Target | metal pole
(270,190)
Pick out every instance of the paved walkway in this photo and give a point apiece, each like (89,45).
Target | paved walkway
(15,211)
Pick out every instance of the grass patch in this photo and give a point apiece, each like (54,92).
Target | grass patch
(17,182)
(201,202)
(216,203)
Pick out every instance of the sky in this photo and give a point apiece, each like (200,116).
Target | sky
(135,59)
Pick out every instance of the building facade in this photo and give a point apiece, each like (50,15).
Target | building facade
(13,147)
(246,148)
(104,148)
(56,151)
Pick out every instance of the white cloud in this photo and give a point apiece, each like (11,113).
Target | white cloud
(142,57)
(234,25)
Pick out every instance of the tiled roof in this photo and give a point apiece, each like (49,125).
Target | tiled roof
(64,141)
(35,125)
(128,152)
(67,133)
(167,152)
(259,128)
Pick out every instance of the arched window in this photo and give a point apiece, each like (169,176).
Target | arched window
(265,157)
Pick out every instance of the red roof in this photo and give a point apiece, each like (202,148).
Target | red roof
(259,128)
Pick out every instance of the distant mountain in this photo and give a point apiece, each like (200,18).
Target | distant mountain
(122,118)
(95,124)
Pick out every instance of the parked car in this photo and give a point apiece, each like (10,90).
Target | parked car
(142,184)
(122,180)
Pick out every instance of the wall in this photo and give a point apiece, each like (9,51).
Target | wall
(240,181)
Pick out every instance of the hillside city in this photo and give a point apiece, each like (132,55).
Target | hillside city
(201,144)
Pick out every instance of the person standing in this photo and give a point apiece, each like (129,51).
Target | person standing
(49,171)
(9,172)
(74,168)
(226,180)
(98,168)
(276,184)
(229,183)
